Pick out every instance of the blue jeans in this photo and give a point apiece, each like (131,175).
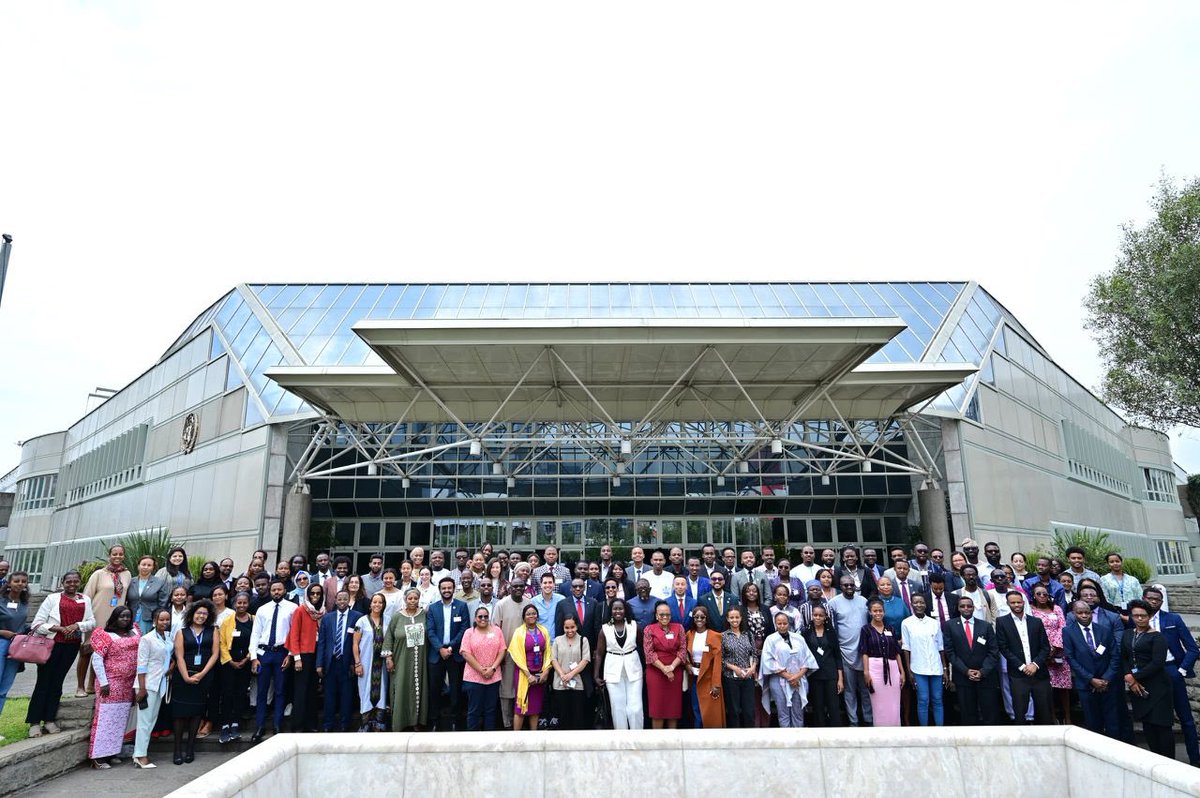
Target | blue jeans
(8,671)
(929,688)
(482,700)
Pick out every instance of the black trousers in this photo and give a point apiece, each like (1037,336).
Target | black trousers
(47,691)
(739,703)
(826,704)
(1043,698)
(304,699)
(1160,739)
(235,687)
(572,707)
(978,702)
(444,709)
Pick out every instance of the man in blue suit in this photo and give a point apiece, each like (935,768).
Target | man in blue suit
(1093,653)
(445,624)
(718,601)
(1182,653)
(697,583)
(335,662)
(681,603)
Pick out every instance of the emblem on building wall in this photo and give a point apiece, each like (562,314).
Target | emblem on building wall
(191,431)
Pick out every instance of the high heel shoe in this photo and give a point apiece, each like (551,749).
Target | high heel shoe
(146,766)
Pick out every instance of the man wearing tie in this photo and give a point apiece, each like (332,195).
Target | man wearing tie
(269,657)
(717,601)
(1181,659)
(445,624)
(974,656)
(681,603)
(941,604)
(585,611)
(1026,649)
(335,637)
(905,585)
(1091,649)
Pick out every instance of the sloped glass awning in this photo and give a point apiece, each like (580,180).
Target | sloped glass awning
(773,371)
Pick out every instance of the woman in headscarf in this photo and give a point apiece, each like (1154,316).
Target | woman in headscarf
(405,646)
(302,645)
(785,664)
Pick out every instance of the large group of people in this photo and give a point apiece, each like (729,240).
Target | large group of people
(519,641)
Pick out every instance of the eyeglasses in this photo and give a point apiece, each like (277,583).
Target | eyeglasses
(938,556)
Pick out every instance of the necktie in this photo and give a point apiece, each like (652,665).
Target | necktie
(941,611)
(970,639)
(1091,641)
(720,604)
(579,609)
(904,592)
(681,615)
(341,635)
(274,618)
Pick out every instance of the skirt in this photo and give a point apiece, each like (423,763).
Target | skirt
(190,700)
(534,697)
(665,697)
(885,701)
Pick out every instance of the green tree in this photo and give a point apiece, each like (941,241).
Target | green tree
(1145,313)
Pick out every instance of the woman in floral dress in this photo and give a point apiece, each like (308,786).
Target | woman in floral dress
(114,659)
(1051,616)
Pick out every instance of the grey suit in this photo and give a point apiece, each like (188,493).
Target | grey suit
(144,602)
(742,576)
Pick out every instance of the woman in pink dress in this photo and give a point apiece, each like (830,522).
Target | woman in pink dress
(114,659)
(666,652)
(1051,616)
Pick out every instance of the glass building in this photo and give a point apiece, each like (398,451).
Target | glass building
(528,414)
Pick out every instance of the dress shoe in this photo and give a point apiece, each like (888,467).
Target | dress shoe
(189,757)
(259,733)
(178,759)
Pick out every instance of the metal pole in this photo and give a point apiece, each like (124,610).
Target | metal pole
(5,249)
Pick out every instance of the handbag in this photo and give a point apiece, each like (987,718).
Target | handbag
(32,649)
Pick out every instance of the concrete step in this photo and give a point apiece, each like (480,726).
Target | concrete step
(27,762)
(76,713)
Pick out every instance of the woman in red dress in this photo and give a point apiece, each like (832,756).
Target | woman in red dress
(666,651)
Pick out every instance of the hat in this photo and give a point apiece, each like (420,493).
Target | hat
(811,583)
(969,543)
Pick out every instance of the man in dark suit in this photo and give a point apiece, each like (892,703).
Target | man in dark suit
(974,655)
(698,583)
(1182,653)
(718,601)
(1026,648)
(681,603)
(851,567)
(940,602)
(589,624)
(335,663)
(1091,649)
(445,624)
(709,562)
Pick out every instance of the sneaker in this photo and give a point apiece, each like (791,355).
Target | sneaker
(235,733)
(224,738)
(52,728)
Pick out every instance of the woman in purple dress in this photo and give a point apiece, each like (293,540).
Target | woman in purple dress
(530,652)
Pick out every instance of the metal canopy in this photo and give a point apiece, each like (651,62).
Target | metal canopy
(621,369)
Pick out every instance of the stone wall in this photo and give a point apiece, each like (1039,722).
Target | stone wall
(696,762)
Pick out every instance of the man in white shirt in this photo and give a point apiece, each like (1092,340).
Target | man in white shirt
(806,569)
(660,580)
(437,565)
(971,589)
(269,656)
(925,655)
(606,561)
(1026,648)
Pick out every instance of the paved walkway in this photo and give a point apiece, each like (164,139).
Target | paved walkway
(127,781)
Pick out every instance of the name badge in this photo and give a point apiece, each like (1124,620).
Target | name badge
(237,632)
(12,605)
(457,619)
(887,632)
(981,640)
(537,649)
(670,635)
(557,581)
(196,660)
(1099,649)
(491,635)
(706,649)
(820,652)
(112,602)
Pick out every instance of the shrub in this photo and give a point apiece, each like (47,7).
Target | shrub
(86,569)
(1139,569)
(1095,545)
(195,564)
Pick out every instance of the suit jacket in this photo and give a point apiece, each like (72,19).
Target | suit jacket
(718,567)
(327,636)
(143,603)
(592,589)
(702,586)
(1087,664)
(951,605)
(460,622)
(329,590)
(689,604)
(740,578)
(983,656)
(1180,642)
(716,620)
(1014,654)
(592,612)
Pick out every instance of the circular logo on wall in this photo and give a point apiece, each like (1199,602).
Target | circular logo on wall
(191,431)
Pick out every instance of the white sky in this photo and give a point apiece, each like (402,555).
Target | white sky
(153,155)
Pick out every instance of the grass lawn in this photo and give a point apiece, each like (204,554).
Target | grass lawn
(12,721)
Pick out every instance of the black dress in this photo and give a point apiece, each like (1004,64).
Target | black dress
(191,700)
(1147,653)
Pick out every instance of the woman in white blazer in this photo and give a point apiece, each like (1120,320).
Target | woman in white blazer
(66,617)
(618,669)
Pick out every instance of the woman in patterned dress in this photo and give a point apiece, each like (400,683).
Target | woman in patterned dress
(369,665)
(404,648)
(1051,616)
(114,659)
(530,652)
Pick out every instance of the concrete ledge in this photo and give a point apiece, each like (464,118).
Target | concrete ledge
(28,762)
(318,764)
